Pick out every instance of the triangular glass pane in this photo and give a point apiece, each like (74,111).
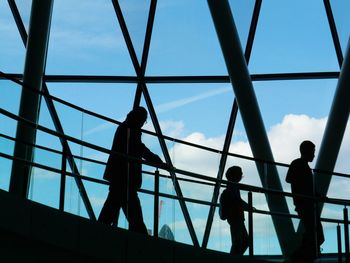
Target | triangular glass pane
(85,38)
(286,44)
(184,41)
(290,117)
(46,120)
(12,50)
(135,14)
(110,100)
(340,10)
(73,201)
(290,114)
(24,8)
(178,107)
(242,12)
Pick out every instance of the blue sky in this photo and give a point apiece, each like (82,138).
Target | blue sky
(85,38)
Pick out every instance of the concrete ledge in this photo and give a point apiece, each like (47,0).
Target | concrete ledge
(32,232)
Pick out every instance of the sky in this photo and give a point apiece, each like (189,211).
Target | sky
(85,38)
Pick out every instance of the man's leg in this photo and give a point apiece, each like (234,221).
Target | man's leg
(133,211)
(310,235)
(110,209)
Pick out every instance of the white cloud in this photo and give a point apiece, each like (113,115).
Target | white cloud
(284,138)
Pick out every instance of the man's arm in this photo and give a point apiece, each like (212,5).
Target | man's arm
(150,156)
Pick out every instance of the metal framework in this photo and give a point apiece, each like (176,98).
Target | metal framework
(55,118)
(231,125)
(242,87)
(34,67)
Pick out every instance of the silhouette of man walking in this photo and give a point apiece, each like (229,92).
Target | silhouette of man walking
(125,175)
(301,179)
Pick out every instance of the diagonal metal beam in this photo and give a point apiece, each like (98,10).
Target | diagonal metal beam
(230,127)
(251,116)
(147,42)
(168,161)
(335,128)
(142,86)
(334,32)
(337,118)
(35,59)
(145,51)
(70,158)
(54,116)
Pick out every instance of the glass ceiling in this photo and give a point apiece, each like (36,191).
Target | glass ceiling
(293,50)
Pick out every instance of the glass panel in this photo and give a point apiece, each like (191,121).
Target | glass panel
(184,41)
(45,187)
(12,50)
(242,12)
(73,201)
(9,101)
(194,112)
(330,232)
(265,238)
(147,203)
(220,237)
(111,100)
(167,218)
(135,14)
(85,38)
(286,44)
(340,10)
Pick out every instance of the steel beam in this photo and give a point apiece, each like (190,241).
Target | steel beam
(231,126)
(335,128)
(142,87)
(39,28)
(252,120)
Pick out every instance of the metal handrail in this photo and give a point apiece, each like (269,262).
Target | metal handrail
(187,173)
(105,118)
(251,189)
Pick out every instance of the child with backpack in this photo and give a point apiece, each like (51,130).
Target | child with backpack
(232,209)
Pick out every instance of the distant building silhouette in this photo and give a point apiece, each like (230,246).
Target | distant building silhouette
(166,233)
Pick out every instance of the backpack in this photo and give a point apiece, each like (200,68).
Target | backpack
(223,206)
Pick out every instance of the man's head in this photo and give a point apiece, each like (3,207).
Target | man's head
(307,150)
(234,174)
(137,117)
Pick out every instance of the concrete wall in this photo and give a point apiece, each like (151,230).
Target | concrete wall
(32,232)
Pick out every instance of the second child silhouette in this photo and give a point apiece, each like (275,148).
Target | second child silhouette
(232,209)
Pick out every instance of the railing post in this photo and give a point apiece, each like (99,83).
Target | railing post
(156,203)
(339,244)
(250,224)
(63,178)
(346,234)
